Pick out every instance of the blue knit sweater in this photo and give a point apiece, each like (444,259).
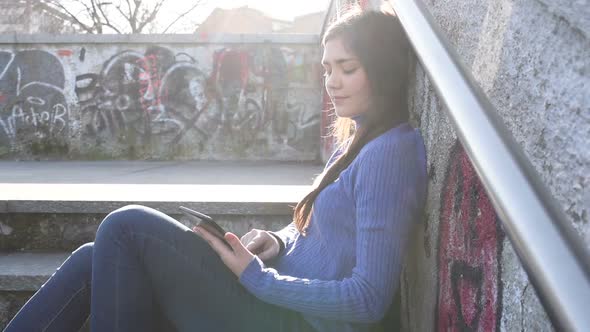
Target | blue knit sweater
(343,274)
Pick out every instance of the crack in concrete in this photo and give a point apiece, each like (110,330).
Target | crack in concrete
(555,11)
(522,314)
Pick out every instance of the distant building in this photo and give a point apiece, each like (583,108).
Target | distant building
(250,20)
(31,16)
(310,23)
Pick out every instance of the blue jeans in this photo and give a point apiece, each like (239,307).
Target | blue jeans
(144,268)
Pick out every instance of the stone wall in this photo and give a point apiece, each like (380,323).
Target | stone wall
(532,59)
(159,97)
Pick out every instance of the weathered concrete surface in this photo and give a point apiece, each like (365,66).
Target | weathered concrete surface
(208,100)
(532,59)
(58,205)
(39,243)
(24,266)
(160,172)
(21,274)
(55,231)
(10,303)
(27,271)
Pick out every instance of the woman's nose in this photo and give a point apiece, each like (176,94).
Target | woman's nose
(333,81)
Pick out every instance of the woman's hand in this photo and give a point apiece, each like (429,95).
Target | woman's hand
(261,244)
(236,259)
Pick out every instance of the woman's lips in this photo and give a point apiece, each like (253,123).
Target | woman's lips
(338,100)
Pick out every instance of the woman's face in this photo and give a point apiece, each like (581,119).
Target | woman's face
(346,80)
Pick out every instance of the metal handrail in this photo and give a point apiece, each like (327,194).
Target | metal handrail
(553,255)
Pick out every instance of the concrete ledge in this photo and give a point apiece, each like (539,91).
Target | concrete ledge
(199,172)
(56,232)
(279,38)
(27,271)
(212,208)
(103,198)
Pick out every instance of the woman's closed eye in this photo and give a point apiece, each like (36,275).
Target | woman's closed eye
(348,71)
(344,71)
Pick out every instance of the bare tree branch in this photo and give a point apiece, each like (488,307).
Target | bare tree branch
(182,15)
(120,16)
(106,17)
(129,7)
(95,16)
(121,12)
(72,16)
(125,16)
(133,20)
(90,13)
(152,16)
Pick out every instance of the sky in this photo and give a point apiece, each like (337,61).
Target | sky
(279,9)
(285,10)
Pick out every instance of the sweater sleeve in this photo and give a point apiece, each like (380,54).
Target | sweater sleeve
(385,204)
(287,235)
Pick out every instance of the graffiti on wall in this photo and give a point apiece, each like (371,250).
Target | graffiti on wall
(470,246)
(242,86)
(244,98)
(157,93)
(253,88)
(32,102)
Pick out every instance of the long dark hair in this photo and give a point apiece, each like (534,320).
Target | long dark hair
(380,43)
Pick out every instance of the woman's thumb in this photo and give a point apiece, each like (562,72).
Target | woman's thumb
(234,242)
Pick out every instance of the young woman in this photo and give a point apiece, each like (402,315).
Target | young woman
(336,267)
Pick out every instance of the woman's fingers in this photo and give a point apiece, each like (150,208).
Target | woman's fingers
(215,242)
(237,258)
(257,243)
(268,253)
(253,241)
(248,237)
(271,248)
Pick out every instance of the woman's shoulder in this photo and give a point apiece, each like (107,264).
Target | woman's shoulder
(397,137)
(398,149)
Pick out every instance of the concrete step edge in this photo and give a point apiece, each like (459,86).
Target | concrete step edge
(170,207)
(27,271)
(103,198)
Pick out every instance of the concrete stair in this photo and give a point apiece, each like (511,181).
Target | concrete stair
(27,271)
(41,223)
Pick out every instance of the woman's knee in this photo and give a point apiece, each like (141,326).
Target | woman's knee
(84,251)
(119,219)
(80,261)
(84,254)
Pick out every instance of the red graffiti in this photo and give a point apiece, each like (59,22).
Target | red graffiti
(65,52)
(470,290)
(150,81)
(364,4)
(2,97)
(203,36)
(230,66)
